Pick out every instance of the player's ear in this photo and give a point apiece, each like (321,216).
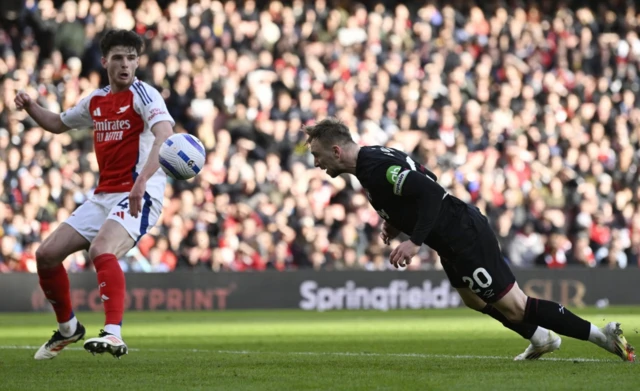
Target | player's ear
(103,61)
(336,151)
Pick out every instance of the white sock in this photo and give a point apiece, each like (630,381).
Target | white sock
(540,336)
(113,329)
(68,328)
(597,337)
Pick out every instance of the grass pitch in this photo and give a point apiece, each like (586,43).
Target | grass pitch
(293,350)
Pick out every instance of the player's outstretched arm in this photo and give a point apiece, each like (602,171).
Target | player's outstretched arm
(47,120)
(162,130)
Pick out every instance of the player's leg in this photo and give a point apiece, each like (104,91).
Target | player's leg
(517,307)
(528,331)
(54,281)
(113,242)
(53,277)
(492,280)
(117,236)
(539,337)
(479,263)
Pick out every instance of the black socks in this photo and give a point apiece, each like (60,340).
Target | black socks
(554,316)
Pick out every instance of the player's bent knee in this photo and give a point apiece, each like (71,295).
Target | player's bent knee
(113,238)
(513,314)
(98,247)
(96,251)
(47,259)
(513,304)
(102,245)
(510,310)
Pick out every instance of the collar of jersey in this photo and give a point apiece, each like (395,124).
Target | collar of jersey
(135,80)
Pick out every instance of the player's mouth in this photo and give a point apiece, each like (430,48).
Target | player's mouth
(123,75)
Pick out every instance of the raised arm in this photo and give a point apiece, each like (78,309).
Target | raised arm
(47,120)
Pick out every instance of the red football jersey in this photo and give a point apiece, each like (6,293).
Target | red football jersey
(122,134)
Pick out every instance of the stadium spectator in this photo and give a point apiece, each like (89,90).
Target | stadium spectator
(530,113)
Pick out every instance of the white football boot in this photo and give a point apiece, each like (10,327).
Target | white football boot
(535,351)
(616,343)
(54,346)
(106,343)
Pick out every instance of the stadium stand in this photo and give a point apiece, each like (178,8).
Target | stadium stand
(531,113)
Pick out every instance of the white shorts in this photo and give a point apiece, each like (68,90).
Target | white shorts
(91,215)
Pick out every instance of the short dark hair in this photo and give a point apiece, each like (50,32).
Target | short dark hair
(124,38)
(329,131)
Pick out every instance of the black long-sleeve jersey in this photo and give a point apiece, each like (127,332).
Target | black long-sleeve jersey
(404,193)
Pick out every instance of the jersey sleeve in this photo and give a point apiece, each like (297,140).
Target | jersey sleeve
(408,183)
(429,195)
(150,104)
(79,116)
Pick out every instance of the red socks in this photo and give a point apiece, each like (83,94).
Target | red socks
(112,287)
(55,285)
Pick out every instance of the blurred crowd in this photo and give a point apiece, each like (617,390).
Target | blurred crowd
(530,112)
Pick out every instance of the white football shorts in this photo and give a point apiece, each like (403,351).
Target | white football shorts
(89,217)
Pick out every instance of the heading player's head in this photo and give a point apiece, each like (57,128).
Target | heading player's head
(332,147)
(120,52)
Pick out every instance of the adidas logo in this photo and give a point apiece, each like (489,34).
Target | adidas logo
(97,113)
(119,214)
(113,339)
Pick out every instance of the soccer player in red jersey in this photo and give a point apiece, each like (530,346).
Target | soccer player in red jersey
(130,122)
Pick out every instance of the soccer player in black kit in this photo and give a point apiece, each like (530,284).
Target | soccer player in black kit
(409,199)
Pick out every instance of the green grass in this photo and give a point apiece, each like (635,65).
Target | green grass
(292,350)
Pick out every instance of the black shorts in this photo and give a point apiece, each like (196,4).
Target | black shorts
(475,260)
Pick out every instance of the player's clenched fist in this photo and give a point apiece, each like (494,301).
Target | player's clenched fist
(401,256)
(23,100)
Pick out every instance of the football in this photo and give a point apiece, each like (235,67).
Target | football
(182,156)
